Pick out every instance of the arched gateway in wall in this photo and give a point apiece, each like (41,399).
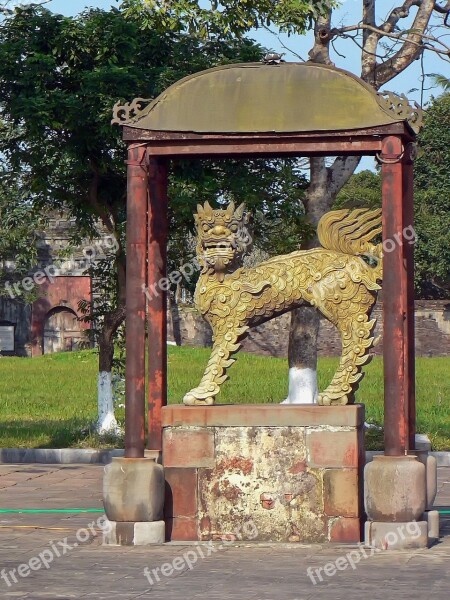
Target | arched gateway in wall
(271,110)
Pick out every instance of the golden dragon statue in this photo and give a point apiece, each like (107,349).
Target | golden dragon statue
(340,279)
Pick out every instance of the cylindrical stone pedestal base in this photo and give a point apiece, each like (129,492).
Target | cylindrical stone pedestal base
(395,489)
(432,518)
(396,536)
(133,490)
(430,463)
(134,534)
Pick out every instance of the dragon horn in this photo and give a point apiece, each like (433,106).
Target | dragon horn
(240,210)
(230,208)
(207,207)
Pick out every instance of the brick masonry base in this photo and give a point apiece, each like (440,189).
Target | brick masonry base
(264,473)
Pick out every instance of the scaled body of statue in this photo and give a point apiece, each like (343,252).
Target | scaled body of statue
(340,279)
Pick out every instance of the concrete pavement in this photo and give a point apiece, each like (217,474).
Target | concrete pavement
(69,544)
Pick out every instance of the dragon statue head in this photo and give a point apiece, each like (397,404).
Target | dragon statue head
(222,237)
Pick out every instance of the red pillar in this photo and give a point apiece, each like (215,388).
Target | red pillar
(410,363)
(398,299)
(135,299)
(158,285)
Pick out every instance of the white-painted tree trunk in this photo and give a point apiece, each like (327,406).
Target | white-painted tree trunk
(106,420)
(302,386)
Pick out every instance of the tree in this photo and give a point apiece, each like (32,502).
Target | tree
(8,6)
(387,47)
(59,78)
(432,198)
(19,234)
(226,20)
(362,189)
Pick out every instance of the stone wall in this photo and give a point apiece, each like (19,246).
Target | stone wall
(432,318)
(264,473)
(17,314)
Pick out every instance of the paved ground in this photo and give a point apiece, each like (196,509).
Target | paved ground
(89,570)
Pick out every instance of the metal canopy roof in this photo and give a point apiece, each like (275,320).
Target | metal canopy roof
(263,98)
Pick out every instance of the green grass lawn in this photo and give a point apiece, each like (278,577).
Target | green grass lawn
(50,401)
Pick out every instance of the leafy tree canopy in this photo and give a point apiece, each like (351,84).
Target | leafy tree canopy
(432,200)
(19,234)
(226,19)
(60,76)
(432,197)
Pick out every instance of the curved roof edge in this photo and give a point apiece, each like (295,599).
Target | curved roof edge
(267,98)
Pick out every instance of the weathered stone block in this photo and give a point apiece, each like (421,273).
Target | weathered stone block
(260,487)
(396,536)
(133,490)
(134,534)
(332,448)
(263,415)
(256,481)
(344,530)
(432,519)
(181,492)
(394,489)
(188,447)
(341,492)
(182,529)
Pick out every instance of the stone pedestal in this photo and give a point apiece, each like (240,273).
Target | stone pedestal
(432,519)
(396,536)
(133,498)
(119,533)
(430,463)
(395,496)
(264,472)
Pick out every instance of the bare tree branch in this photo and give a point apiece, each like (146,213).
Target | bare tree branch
(405,36)
(442,9)
(370,38)
(411,49)
(400,12)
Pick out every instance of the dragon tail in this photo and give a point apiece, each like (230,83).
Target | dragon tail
(351,232)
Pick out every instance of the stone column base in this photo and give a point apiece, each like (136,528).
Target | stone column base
(396,536)
(432,518)
(134,534)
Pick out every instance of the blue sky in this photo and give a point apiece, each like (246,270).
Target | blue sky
(348,13)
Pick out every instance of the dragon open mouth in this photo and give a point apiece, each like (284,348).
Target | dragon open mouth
(217,244)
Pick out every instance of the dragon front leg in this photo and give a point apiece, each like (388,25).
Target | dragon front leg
(225,344)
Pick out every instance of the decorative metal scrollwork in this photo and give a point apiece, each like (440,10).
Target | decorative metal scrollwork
(402,108)
(125,113)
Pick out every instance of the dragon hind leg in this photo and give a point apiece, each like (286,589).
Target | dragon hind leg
(356,334)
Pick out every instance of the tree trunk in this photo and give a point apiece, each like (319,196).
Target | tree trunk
(107,422)
(106,419)
(325,183)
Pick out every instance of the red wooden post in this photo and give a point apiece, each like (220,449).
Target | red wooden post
(135,298)
(408,247)
(157,287)
(398,299)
